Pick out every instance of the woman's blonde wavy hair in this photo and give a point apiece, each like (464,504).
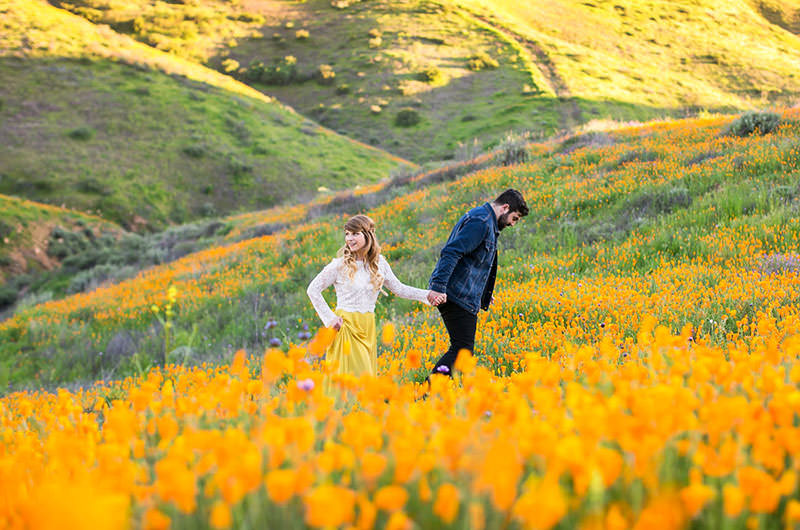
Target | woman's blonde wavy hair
(372,250)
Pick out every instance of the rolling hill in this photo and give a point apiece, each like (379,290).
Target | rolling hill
(98,122)
(427,78)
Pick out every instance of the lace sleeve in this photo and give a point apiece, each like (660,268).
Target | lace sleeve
(323,280)
(399,288)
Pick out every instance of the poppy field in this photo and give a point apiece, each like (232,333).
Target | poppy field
(638,368)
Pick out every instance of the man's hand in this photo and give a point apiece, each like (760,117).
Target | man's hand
(436,298)
(338,324)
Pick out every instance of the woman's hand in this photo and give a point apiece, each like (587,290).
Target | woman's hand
(436,299)
(338,324)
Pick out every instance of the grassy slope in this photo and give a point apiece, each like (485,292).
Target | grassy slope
(97,121)
(25,227)
(672,54)
(623,60)
(670,216)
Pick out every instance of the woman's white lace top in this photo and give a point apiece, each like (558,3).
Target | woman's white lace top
(356,295)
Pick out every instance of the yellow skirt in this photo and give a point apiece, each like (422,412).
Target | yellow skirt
(354,350)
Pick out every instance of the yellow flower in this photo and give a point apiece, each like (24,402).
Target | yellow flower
(329,505)
(446,504)
(695,496)
(733,500)
(391,498)
(372,466)
(155,520)
(281,485)
(477,518)
(399,521)
(388,333)
(366,514)
(542,505)
(220,515)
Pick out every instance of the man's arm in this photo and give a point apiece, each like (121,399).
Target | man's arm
(467,239)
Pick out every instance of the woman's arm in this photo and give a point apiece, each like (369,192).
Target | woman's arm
(399,288)
(322,281)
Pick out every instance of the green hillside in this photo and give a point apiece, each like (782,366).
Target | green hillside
(28,246)
(98,122)
(632,210)
(477,69)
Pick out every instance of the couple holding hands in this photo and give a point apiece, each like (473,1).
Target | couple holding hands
(461,284)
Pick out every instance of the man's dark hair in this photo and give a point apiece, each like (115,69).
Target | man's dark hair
(514,200)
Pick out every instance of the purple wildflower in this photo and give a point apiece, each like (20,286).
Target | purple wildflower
(306,384)
(274,342)
(443,369)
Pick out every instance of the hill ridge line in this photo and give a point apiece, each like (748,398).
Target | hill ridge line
(162,61)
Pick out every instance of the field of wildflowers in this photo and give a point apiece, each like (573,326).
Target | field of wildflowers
(639,368)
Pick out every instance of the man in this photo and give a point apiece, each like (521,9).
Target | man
(463,280)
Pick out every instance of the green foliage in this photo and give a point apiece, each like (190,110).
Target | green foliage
(432,75)
(81,133)
(325,74)
(281,72)
(753,123)
(407,118)
(514,149)
(198,150)
(8,295)
(5,229)
(147,163)
(482,61)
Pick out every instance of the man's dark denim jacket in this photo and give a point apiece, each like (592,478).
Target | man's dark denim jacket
(467,265)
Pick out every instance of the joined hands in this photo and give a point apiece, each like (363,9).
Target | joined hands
(436,298)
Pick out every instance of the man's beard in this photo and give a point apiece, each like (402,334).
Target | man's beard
(502,221)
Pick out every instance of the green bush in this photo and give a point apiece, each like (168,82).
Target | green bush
(753,123)
(407,118)
(282,72)
(481,61)
(8,295)
(81,133)
(195,150)
(5,229)
(432,75)
(325,74)
(514,149)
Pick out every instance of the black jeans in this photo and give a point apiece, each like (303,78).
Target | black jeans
(461,325)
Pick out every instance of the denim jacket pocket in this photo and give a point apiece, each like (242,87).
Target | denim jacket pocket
(487,254)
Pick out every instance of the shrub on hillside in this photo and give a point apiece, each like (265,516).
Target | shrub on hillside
(343,89)
(481,61)
(282,72)
(753,123)
(407,118)
(302,34)
(431,75)
(589,139)
(230,65)
(514,150)
(326,75)
(81,133)
(5,229)
(195,150)
(8,295)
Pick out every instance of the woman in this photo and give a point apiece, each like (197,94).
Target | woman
(357,273)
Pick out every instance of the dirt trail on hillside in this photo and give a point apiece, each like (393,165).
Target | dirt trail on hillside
(570,111)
